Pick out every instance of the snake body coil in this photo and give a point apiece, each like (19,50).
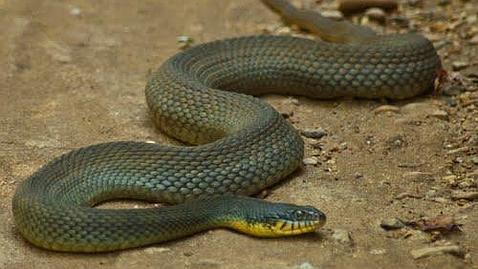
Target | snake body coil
(201,96)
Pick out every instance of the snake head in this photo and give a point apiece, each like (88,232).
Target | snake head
(265,219)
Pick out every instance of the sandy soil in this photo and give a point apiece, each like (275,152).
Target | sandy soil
(72,74)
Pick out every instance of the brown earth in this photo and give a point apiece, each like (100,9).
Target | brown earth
(72,74)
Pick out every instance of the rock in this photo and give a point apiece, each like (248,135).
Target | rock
(332,14)
(156,250)
(458,150)
(439,250)
(376,14)
(404,195)
(459,65)
(401,21)
(380,251)
(305,265)
(293,101)
(474,40)
(473,195)
(431,193)
(310,161)
(439,114)
(343,237)
(75,11)
(358,175)
(314,133)
(392,224)
(474,160)
(418,110)
(184,41)
(386,108)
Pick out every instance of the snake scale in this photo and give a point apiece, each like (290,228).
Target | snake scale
(202,96)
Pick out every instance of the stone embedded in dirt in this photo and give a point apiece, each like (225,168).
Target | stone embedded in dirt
(343,237)
(439,250)
(400,21)
(185,41)
(457,195)
(474,40)
(458,150)
(392,224)
(156,250)
(314,133)
(439,114)
(474,160)
(376,14)
(386,108)
(404,195)
(310,161)
(75,11)
(332,14)
(417,175)
(380,251)
(293,101)
(424,109)
(459,65)
(305,265)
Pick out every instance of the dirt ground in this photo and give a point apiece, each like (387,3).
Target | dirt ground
(72,74)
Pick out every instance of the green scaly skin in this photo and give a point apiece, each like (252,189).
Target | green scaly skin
(202,97)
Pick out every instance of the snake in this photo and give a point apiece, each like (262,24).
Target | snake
(234,143)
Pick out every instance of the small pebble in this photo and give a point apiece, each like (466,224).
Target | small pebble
(156,250)
(417,175)
(474,40)
(440,250)
(392,224)
(358,175)
(314,133)
(459,65)
(376,14)
(457,195)
(185,41)
(386,108)
(474,160)
(342,237)
(332,14)
(305,265)
(294,101)
(439,114)
(378,251)
(401,21)
(311,161)
(75,11)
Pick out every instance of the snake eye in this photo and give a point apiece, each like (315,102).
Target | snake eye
(299,214)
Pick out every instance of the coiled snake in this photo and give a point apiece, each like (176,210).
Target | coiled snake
(202,96)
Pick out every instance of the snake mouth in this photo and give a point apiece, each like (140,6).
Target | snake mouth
(284,228)
(291,222)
